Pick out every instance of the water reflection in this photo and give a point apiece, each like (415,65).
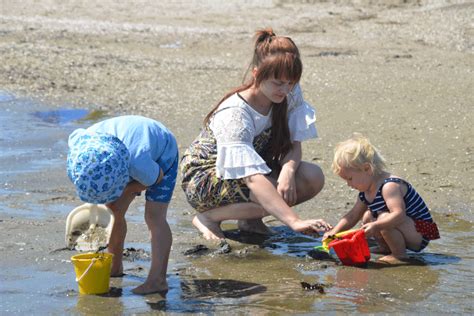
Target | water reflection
(65,116)
(213,288)
(99,305)
(402,285)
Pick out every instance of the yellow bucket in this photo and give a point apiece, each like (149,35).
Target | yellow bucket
(92,272)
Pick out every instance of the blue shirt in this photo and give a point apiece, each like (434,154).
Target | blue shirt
(151,145)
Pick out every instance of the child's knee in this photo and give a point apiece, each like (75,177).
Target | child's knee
(367,217)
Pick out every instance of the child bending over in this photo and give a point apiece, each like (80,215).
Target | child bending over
(111,163)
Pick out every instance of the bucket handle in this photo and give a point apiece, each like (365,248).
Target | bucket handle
(87,270)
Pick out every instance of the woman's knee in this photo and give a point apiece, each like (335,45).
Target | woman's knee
(313,177)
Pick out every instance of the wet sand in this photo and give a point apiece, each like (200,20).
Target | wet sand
(401,73)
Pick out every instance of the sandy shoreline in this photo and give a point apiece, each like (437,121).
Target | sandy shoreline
(400,73)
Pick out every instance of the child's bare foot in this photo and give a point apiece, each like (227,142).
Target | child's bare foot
(116,272)
(255,226)
(391,259)
(379,250)
(210,230)
(145,288)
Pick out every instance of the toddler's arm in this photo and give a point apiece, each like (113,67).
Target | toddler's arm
(349,220)
(393,196)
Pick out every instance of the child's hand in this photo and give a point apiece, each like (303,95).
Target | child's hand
(328,234)
(370,229)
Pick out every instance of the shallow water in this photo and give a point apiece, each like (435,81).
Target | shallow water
(260,276)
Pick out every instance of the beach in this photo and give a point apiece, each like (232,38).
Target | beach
(400,72)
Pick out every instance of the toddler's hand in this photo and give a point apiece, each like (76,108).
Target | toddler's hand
(369,229)
(328,234)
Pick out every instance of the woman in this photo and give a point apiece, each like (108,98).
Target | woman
(246,163)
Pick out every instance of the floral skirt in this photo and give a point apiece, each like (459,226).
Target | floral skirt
(203,189)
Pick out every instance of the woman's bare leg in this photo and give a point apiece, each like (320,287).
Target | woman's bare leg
(208,223)
(309,182)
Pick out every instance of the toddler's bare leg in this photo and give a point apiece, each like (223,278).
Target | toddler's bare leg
(382,247)
(161,239)
(119,231)
(399,238)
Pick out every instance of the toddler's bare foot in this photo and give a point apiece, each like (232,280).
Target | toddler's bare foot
(116,272)
(255,226)
(146,288)
(391,259)
(210,230)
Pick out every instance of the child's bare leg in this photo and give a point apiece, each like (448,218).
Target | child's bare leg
(399,238)
(381,247)
(161,239)
(119,231)
(367,217)
(208,222)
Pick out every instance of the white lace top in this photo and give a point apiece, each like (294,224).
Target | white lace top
(235,124)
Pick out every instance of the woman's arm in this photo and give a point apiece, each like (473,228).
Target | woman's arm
(286,186)
(265,194)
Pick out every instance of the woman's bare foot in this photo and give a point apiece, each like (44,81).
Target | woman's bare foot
(255,226)
(145,288)
(391,259)
(210,230)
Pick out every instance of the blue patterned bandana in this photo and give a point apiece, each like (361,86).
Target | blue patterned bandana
(98,166)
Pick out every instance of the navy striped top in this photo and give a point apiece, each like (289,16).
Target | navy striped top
(414,204)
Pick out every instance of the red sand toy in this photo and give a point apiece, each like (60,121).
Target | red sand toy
(351,248)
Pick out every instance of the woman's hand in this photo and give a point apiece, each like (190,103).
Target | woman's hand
(286,186)
(311,226)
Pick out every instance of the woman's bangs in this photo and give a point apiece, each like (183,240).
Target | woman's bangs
(287,67)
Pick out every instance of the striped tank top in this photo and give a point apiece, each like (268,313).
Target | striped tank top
(414,204)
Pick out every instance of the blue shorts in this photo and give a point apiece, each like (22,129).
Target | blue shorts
(163,191)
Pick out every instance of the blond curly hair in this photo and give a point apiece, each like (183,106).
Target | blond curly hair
(355,152)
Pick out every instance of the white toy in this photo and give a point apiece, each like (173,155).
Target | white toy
(88,227)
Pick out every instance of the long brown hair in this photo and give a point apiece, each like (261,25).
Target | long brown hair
(274,57)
